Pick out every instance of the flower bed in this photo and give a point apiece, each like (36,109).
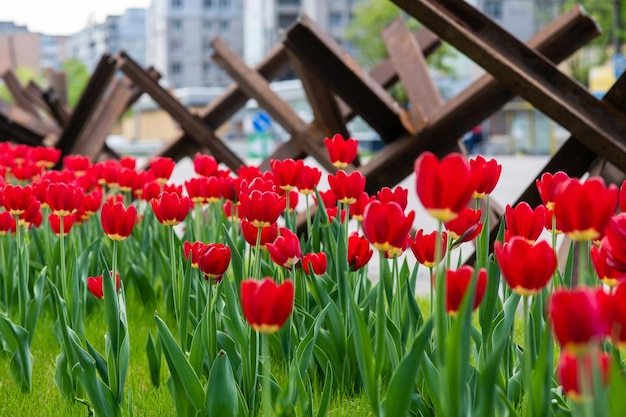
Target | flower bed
(262,321)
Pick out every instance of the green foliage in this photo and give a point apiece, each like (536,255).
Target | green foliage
(77,78)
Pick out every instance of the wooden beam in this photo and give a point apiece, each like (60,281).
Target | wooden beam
(21,99)
(188,122)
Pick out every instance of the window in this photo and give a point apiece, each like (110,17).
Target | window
(177,4)
(206,68)
(207,25)
(177,68)
(224,4)
(206,46)
(224,25)
(493,8)
(176,45)
(176,24)
(207,4)
(289,2)
(334,20)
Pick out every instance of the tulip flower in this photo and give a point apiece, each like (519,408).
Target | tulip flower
(580,317)
(347,188)
(285,251)
(569,373)
(524,221)
(423,247)
(341,152)
(584,209)
(548,185)
(196,189)
(357,208)
(170,209)
(44,156)
(616,242)
(213,261)
(485,175)
(77,163)
(94,284)
(266,305)
(261,208)
(64,199)
(386,226)
(457,284)
(444,187)
(359,252)
(617,311)
(7,223)
(55,223)
(526,267)
(162,168)
(465,227)
(600,257)
(117,220)
(286,172)
(16,198)
(127,162)
(194,250)
(399,195)
(32,215)
(308,179)
(250,233)
(205,165)
(314,263)
(231,211)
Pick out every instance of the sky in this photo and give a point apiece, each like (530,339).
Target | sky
(62,17)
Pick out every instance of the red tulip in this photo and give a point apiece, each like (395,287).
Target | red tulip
(55,223)
(444,187)
(308,179)
(213,261)
(286,172)
(618,315)
(32,216)
(341,152)
(465,227)
(261,208)
(205,165)
(250,233)
(457,284)
(231,211)
(616,242)
(7,223)
(399,195)
(94,284)
(92,201)
(548,186)
(314,263)
(584,209)
(386,226)
(329,199)
(359,252)
(552,222)
(580,317)
(170,209)
(285,251)
(485,175)
(600,257)
(526,267)
(150,190)
(162,168)
(357,208)
(347,188)
(194,250)
(45,156)
(423,247)
(77,163)
(524,221)
(265,304)
(128,162)
(569,373)
(196,189)
(127,178)
(117,220)
(64,199)
(16,198)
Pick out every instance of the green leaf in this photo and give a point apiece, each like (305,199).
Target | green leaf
(328,387)
(402,384)
(183,375)
(16,339)
(221,394)
(153,352)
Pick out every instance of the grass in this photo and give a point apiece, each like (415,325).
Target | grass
(45,399)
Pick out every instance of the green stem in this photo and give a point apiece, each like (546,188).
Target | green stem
(175,281)
(583,250)
(309,228)
(266,387)
(257,254)
(440,301)
(528,365)
(197,223)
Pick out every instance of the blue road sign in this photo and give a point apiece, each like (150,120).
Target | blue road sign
(261,122)
(619,64)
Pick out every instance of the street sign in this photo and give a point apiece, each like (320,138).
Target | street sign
(261,122)
(260,145)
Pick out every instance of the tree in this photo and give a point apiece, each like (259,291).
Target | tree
(77,78)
